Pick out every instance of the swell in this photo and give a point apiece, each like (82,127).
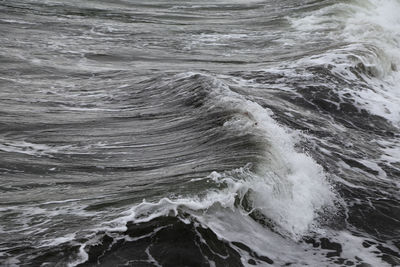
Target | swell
(204,128)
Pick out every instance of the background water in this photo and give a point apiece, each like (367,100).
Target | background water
(199,133)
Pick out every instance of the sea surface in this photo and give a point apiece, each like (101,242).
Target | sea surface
(200,133)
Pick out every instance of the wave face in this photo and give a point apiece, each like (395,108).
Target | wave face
(200,133)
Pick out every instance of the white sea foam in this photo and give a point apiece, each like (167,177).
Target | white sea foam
(391,151)
(288,187)
(371,32)
(58,240)
(81,257)
(37,149)
(27,148)
(352,248)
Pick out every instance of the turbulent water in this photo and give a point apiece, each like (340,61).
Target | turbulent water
(200,133)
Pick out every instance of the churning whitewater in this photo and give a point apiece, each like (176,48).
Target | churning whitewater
(200,133)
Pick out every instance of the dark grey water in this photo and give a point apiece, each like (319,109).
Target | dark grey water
(199,133)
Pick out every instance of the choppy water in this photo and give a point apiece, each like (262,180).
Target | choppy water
(199,133)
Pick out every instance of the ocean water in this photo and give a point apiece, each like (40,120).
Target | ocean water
(200,133)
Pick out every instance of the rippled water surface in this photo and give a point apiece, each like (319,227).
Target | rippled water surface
(200,133)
